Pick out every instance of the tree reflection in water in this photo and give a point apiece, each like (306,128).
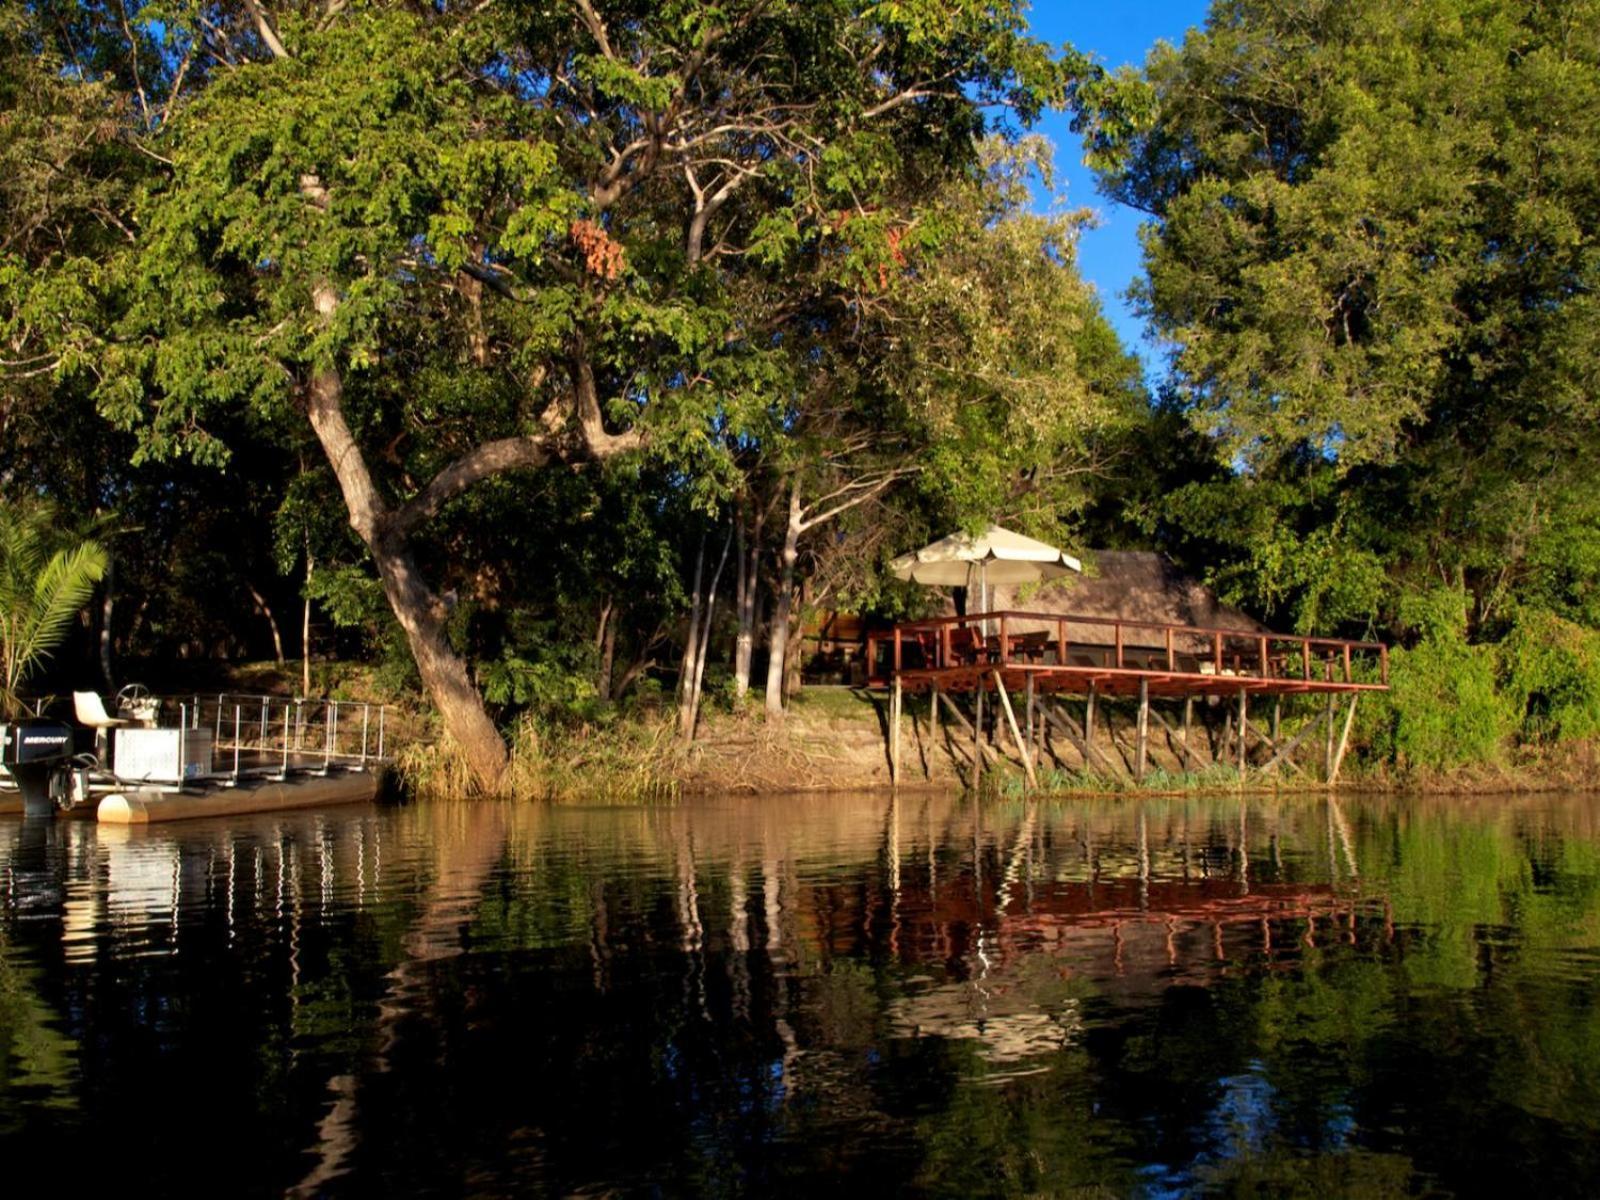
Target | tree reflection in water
(736,995)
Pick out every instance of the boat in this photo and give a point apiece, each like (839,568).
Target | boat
(153,758)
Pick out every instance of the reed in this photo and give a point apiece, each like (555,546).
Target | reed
(628,762)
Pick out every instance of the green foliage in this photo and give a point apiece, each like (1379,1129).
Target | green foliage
(45,578)
(1444,710)
(1366,254)
(1550,670)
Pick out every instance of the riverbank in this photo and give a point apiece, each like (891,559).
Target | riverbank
(835,739)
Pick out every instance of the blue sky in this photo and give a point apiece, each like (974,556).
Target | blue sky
(1116,32)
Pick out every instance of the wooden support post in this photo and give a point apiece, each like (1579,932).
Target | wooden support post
(1031,715)
(1063,725)
(1183,742)
(1344,740)
(1327,758)
(1016,733)
(1142,752)
(894,729)
(977,737)
(965,726)
(1088,717)
(1282,756)
(1244,720)
(933,712)
(1188,719)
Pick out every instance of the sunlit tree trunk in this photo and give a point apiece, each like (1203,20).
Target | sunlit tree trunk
(783,606)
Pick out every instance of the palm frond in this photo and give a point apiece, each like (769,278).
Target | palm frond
(40,591)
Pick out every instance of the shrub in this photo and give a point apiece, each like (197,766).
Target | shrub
(1443,709)
(1550,676)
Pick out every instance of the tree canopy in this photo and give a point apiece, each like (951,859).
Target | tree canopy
(1371,255)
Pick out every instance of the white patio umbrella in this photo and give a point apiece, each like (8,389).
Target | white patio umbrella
(994,556)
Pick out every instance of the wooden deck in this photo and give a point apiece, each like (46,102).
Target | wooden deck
(1052,650)
(1049,657)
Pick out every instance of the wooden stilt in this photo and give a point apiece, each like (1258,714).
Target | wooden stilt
(1284,752)
(1272,748)
(1344,740)
(1188,719)
(960,719)
(1030,713)
(1061,722)
(1327,758)
(894,732)
(1244,703)
(1016,733)
(1088,717)
(1183,739)
(933,718)
(977,738)
(1142,753)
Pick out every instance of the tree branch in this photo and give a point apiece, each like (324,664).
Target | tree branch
(591,422)
(478,464)
(269,35)
(867,493)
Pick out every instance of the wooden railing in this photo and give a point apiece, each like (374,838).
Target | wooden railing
(1144,647)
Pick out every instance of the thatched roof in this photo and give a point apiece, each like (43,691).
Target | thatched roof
(1133,585)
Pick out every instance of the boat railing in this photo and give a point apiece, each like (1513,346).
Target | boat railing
(276,736)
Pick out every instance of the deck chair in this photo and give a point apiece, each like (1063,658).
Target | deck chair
(90,711)
(965,647)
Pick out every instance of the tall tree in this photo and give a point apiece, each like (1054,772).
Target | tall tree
(1370,253)
(492,238)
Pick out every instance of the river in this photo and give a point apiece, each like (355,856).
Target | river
(922,996)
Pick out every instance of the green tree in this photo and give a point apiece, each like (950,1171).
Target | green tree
(1369,252)
(492,239)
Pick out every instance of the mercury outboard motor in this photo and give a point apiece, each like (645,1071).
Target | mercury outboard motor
(34,753)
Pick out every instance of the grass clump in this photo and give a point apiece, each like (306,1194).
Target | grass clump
(624,762)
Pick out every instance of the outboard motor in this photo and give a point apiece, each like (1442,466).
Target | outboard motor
(35,753)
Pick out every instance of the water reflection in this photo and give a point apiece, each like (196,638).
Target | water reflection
(918,994)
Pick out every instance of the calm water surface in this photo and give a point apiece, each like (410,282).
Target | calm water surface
(922,997)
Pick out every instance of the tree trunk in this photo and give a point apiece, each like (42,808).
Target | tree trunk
(691,642)
(796,646)
(607,645)
(744,642)
(272,623)
(420,612)
(783,607)
(305,624)
(705,643)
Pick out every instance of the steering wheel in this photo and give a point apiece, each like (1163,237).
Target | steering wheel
(132,694)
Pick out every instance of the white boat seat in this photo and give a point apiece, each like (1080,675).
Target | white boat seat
(91,711)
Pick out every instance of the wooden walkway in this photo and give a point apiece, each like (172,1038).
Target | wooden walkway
(1048,658)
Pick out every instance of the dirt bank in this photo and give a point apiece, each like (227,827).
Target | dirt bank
(836,739)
